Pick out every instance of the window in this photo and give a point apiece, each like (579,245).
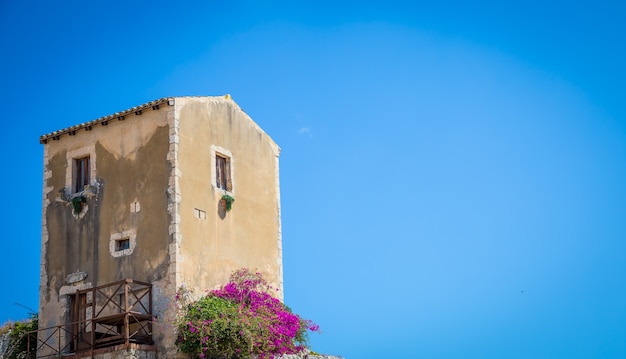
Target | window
(122,244)
(81,173)
(80,169)
(222,170)
(223,178)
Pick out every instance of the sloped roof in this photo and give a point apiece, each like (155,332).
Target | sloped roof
(152,105)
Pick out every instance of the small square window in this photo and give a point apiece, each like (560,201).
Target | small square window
(223,178)
(81,173)
(122,244)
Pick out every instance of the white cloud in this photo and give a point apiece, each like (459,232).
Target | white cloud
(305,131)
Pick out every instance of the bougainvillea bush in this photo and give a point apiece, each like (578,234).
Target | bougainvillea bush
(240,320)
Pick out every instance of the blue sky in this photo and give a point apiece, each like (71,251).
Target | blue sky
(453,174)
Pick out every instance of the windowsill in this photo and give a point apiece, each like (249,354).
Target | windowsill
(222,192)
(88,192)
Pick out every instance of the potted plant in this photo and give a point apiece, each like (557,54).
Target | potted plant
(227,202)
(77,203)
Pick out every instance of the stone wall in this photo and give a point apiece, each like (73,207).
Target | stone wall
(5,339)
(134,353)
(127,354)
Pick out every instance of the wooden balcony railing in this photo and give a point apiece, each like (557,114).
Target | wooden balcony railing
(114,314)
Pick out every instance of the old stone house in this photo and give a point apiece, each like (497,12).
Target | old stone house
(134,208)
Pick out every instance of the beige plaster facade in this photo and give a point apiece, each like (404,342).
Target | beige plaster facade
(152,207)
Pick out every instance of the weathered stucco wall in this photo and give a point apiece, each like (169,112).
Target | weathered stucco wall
(130,174)
(216,243)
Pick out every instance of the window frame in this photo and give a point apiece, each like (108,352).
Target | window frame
(223,179)
(114,240)
(71,172)
(222,169)
(82,175)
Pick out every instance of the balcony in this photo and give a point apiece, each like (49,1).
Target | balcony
(109,317)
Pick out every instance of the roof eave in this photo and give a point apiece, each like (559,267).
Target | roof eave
(103,121)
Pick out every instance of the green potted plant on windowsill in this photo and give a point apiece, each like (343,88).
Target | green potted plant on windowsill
(78,203)
(227,202)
